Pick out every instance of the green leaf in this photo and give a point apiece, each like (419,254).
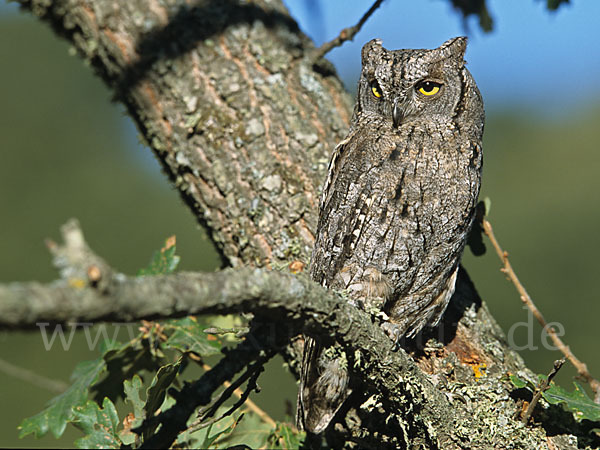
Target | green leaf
(99,425)
(60,410)
(132,395)
(251,431)
(155,399)
(122,364)
(208,435)
(189,336)
(519,383)
(222,430)
(576,402)
(237,429)
(155,395)
(163,261)
(477,8)
(286,437)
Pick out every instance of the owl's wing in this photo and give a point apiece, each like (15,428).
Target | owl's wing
(353,192)
(323,382)
(334,217)
(333,170)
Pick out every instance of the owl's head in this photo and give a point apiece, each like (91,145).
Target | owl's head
(404,85)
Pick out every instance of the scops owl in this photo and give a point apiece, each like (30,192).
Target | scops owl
(397,205)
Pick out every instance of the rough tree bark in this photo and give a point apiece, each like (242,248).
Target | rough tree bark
(229,98)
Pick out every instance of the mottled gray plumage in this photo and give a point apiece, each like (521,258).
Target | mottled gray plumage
(398,203)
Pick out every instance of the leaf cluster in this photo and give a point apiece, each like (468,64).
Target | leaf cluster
(114,398)
(576,402)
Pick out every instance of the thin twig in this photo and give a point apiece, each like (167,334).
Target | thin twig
(233,388)
(203,423)
(507,269)
(540,390)
(32,377)
(249,403)
(347,34)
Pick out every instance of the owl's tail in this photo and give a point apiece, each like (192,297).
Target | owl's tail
(323,386)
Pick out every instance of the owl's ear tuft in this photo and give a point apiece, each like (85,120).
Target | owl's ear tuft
(370,49)
(456,46)
(453,48)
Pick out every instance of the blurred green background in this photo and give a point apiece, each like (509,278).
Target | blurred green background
(67,151)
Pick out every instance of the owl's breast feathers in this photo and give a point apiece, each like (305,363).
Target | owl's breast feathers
(395,212)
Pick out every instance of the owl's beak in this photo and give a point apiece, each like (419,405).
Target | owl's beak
(397,114)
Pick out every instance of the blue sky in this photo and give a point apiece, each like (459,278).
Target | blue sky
(540,60)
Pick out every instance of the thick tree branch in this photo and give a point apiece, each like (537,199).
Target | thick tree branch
(291,304)
(88,293)
(22,305)
(227,98)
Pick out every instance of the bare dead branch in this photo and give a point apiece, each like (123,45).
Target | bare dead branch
(32,377)
(251,374)
(250,354)
(249,404)
(507,269)
(347,34)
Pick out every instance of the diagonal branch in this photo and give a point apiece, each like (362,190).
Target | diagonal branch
(347,34)
(507,269)
(249,404)
(32,377)
(224,93)
(243,398)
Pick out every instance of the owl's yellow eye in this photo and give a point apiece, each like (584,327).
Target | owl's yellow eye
(375,90)
(429,88)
